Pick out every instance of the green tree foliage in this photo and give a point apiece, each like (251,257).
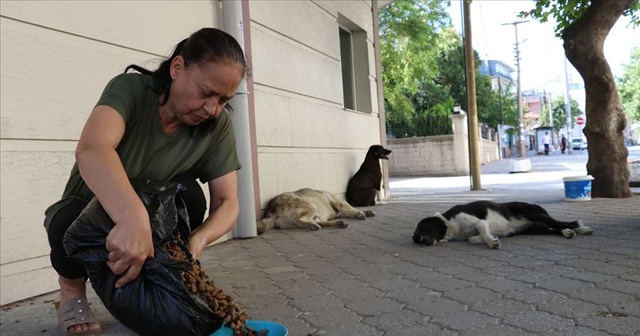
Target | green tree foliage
(408,31)
(559,114)
(629,86)
(566,12)
(423,70)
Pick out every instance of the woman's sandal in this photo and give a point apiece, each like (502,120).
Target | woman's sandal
(76,312)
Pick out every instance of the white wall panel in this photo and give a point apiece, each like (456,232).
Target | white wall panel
(31,181)
(283,64)
(290,169)
(301,21)
(151,26)
(51,81)
(273,118)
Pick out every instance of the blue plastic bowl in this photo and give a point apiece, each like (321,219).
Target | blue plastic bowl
(274,329)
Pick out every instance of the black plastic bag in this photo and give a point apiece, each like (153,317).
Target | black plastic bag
(156,302)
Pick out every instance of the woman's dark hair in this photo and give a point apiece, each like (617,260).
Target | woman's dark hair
(205,45)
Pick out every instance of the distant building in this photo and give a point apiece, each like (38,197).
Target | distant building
(500,72)
(533,101)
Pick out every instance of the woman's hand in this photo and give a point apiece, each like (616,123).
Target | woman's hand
(197,244)
(223,213)
(129,245)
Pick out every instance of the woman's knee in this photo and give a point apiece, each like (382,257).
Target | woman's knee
(58,225)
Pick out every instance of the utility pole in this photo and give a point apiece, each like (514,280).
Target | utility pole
(521,144)
(474,159)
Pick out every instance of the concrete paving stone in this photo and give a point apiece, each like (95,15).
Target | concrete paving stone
(603,296)
(417,256)
(412,294)
(628,308)
(388,282)
(317,303)
(538,322)
(589,276)
(629,325)
(494,330)
(435,306)
(325,269)
(328,318)
(278,277)
(425,275)
(501,307)
(520,274)
(355,295)
(571,308)
(465,320)
(462,271)
(448,285)
(471,295)
(502,285)
(373,306)
(396,320)
(623,286)
(578,331)
(333,280)
(628,262)
(302,288)
(430,329)
(342,283)
(565,285)
(533,296)
(349,330)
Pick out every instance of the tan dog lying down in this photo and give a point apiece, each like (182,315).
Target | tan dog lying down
(308,208)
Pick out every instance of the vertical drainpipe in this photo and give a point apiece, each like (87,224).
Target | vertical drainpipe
(235,17)
(380,96)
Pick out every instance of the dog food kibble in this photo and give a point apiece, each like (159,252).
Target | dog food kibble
(198,283)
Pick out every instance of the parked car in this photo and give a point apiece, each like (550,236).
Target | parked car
(578,144)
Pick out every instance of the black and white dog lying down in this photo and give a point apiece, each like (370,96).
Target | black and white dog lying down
(485,221)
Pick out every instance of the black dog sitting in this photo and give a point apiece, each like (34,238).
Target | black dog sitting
(365,184)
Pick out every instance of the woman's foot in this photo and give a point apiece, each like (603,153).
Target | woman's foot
(73,309)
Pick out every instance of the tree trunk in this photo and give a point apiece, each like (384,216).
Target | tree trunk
(606,120)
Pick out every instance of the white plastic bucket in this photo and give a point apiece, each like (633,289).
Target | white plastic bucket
(577,188)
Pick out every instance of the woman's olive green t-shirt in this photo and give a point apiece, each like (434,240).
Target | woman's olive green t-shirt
(147,152)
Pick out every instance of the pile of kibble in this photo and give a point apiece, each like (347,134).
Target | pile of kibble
(198,283)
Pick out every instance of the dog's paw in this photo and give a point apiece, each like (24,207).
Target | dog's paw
(315,227)
(342,225)
(369,213)
(568,233)
(584,230)
(361,215)
(494,244)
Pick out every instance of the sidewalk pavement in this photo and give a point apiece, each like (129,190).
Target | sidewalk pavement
(371,279)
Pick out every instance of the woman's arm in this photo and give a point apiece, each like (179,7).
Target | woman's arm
(223,213)
(129,243)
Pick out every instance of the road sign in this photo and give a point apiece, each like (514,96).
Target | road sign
(580,120)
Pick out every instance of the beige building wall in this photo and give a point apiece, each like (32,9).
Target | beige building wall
(57,56)
(305,136)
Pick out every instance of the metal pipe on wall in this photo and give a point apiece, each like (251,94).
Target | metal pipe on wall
(234,24)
